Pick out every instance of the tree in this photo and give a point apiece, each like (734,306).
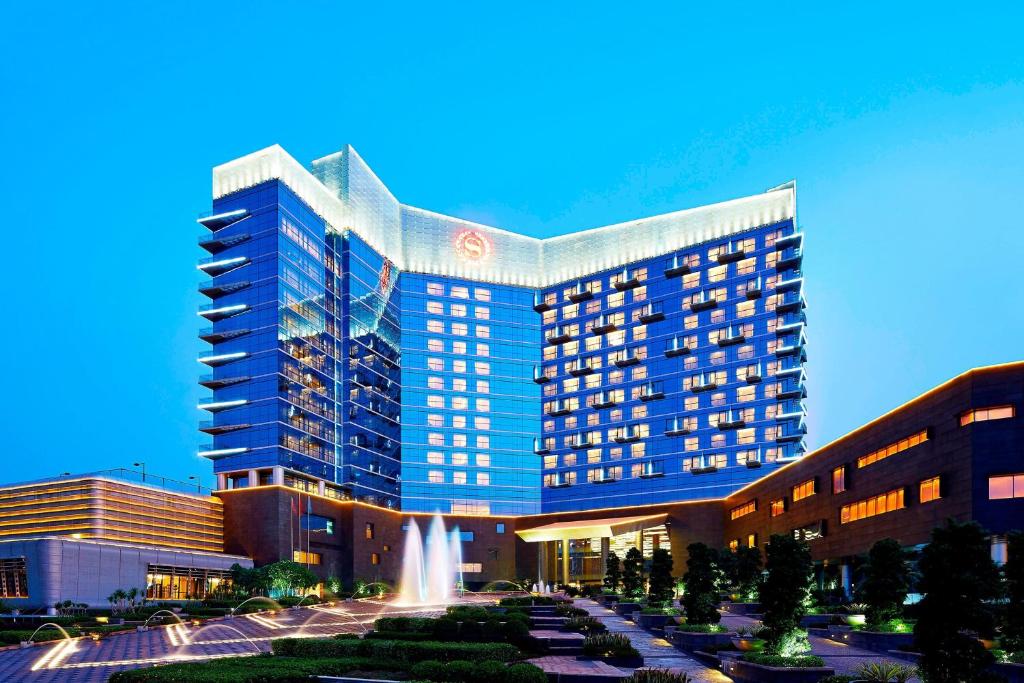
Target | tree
(742,569)
(702,577)
(959,580)
(287,576)
(886,582)
(783,594)
(632,574)
(612,572)
(1013,571)
(660,583)
(249,582)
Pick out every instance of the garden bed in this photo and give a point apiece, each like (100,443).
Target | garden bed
(626,609)
(692,641)
(741,608)
(876,641)
(750,672)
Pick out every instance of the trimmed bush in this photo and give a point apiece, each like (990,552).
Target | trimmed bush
(700,628)
(261,669)
(609,645)
(657,676)
(533,601)
(584,625)
(471,672)
(399,650)
(404,624)
(784,662)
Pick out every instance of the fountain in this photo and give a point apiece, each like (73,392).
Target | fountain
(430,570)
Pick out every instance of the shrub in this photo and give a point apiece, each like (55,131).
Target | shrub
(515,631)
(765,659)
(742,570)
(609,645)
(701,597)
(1013,570)
(525,673)
(471,672)
(700,628)
(584,625)
(396,635)
(470,630)
(536,600)
(464,612)
(838,678)
(567,610)
(404,624)
(660,586)
(959,581)
(405,651)
(886,672)
(657,676)
(264,669)
(886,582)
(446,629)
(783,593)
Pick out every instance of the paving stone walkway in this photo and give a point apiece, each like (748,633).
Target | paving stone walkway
(658,653)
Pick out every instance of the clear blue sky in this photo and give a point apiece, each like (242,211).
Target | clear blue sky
(903,124)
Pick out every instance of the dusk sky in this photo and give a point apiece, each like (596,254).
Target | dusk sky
(902,124)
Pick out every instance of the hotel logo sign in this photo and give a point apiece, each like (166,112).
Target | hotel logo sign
(471,245)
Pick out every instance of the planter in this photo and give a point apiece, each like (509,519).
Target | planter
(621,662)
(689,641)
(657,621)
(748,644)
(608,598)
(877,641)
(746,672)
(818,620)
(624,609)
(855,619)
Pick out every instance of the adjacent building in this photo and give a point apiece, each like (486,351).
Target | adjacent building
(366,350)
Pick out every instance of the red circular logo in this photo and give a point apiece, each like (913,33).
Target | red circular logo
(471,245)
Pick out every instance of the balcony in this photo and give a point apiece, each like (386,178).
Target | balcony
(731,336)
(734,420)
(651,470)
(217,242)
(754,288)
(752,464)
(222,220)
(212,336)
(791,415)
(604,399)
(789,328)
(604,479)
(733,251)
(651,391)
(792,349)
(223,358)
(581,442)
(789,433)
(677,427)
(580,293)
(755,374)
(541,447)
(579,368)
(791,388)
(559,482)
(218,453)
(539,377)
(214,289)
(703,302)
(604,324)
(676,347)
(626,357)
(211,382)
(208,427)
(676,266)
(790,301)
(559,335)
(790,285)
(795,239)
(709,469)
(222,312)
(703,383)
(541,303)
(559,408)
(627,279)
(215,267)
(627,434)
(651,313)
(789,258)
(218,406)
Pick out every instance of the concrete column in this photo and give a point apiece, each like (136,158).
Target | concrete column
(222,481)
(254,478)
(565,561)
(278,476)
(844,579)
(321,487)
(606,544)
(541,546)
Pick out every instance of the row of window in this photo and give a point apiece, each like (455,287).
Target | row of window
(458,291)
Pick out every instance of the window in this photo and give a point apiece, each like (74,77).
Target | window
(435,364)
(930,489)
(459,310)
(435,326)
(893,448)
(470,568)
(435,289)
(435,477)
(460,292)
(810,532)
(374,558)
(876,505)
(302,557)
(13,578)
(369,531)
(743,510)
(467,536)
(805,490)
(483,479)
(435,307)
(460,329)
(1006,486)
(985,414)
(778,507)
(435,458)
(734,544)
(499,528)
(458,477)
(751,540)
(482,294)
(839,479)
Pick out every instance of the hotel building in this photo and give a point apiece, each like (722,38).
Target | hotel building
(365,350)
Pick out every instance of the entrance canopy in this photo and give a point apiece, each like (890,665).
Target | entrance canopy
(590,528)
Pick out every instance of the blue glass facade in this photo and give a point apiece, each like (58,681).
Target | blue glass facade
(674,378)
(360,348)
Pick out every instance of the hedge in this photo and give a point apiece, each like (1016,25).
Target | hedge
(398,650)
(533,601)
(259,669)
(786,662)
(473,672)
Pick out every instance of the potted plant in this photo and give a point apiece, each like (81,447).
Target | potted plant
(749,638)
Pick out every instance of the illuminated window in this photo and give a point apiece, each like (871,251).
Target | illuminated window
(483,331)
(374,558)
(458,477)
(483,349)
(435,383)
(985,414)
(893,448)
(460,459)
(435,345)
(459,346)
(778,507)
(435,477)
(368,533)
(302,557)
(805,490)
(482,312)
(1006,486)
(871,507)
(435,307)
(482,294)
(435,326)
(483,460)
(839,479)
(435,364)
(483,479)
(471,567)
(930,489)
(460,329)
(435,458)
(751,540)
(743,510)
(734,544)
(435,289)
(460,292)
(459,310)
